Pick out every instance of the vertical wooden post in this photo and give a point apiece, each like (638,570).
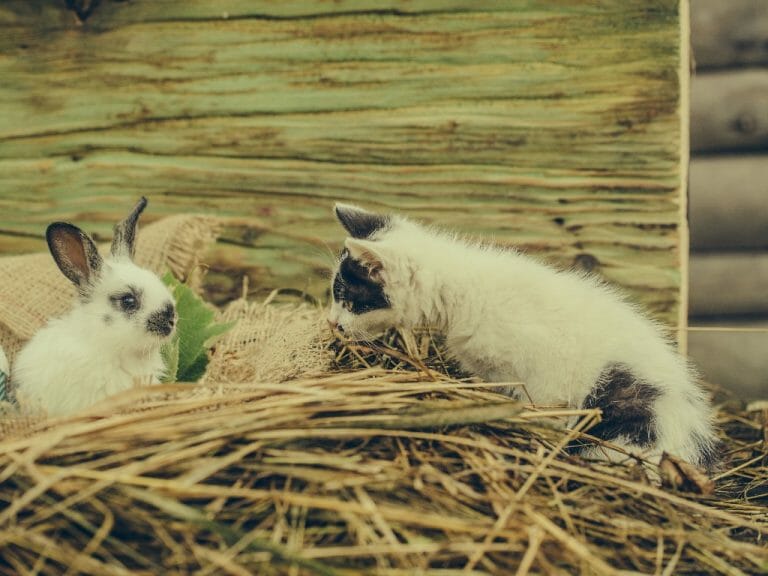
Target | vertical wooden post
(686,64)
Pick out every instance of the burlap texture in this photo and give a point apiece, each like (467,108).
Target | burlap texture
(270,343)
(34,290)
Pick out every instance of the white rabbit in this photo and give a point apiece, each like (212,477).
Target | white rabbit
(111,339)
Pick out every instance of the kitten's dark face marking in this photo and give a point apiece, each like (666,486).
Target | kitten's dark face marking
(626,402)
(359,223)
(361,307)
(354,288)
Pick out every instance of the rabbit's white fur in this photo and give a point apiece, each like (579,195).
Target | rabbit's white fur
(509,318)
(98,349)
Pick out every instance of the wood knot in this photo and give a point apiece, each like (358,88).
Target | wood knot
(746,124)
(586,262)
(82,8)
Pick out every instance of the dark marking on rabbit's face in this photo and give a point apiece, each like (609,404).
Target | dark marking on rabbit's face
(128,301)
(626,402)
(163,321)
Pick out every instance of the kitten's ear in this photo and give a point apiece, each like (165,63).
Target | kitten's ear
(369,254)
(358,222)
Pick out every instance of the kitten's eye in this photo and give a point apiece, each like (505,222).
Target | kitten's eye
(129,303)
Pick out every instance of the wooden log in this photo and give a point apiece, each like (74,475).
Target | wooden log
(554,126)
(728,198)
(729,33)
(729,111)
(729,284)
(732,355)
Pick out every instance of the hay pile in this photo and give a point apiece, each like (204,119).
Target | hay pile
(393,469)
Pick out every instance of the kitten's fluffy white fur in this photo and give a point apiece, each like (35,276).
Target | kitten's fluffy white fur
(509,318)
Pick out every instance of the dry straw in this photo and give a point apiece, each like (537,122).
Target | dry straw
(397,468)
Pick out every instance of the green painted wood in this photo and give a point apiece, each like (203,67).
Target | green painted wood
(550,125)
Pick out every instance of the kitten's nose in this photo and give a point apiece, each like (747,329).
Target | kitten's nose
(333,324)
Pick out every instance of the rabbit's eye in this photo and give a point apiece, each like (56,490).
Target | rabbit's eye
(128,302)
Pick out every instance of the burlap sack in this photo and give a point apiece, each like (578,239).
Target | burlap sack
(34,290)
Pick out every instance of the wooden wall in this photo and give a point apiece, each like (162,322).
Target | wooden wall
(550,124)
(729,192)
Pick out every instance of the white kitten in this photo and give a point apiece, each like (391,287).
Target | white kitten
(507,317)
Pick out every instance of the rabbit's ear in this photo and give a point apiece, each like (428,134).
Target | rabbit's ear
(75,254)
(125,232)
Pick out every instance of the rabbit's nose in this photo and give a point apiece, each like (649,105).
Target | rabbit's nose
(162,321)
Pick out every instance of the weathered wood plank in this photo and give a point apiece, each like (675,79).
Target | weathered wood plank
(541,216)
(728,198)
(79,79)
(120,13)
(729,111)
(729,284)
(550,125)
(727,34)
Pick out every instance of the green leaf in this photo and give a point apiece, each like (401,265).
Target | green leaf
(196,330)
(195,371)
